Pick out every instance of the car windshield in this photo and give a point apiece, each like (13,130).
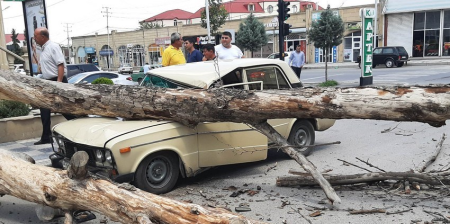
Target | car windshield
(151,80)
(76,77)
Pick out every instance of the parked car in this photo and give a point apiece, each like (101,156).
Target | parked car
(137,77)
(73,69)
(152,154)
(277,56)
(89,77)
(389,56)
(125,68)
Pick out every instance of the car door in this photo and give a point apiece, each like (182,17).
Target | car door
(376,56)
(111,76)
(89,78)
(272,78)
(221,143)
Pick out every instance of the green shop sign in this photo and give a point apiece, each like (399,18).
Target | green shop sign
(367,16)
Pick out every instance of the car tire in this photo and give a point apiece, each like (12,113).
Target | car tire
(400,64)
(389,63)
(373,66)
(158,173)
(302,133)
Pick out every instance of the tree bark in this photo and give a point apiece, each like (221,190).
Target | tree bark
(52,187)
(429,104)
(307,180)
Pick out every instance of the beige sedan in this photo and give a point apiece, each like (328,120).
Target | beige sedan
(153,154)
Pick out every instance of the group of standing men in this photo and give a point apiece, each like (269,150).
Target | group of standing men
(173,55)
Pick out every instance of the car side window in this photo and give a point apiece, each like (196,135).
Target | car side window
(377,51)
(108,75)
(232,78)
(388,51)
(151,81)
(271,77)
(90,78)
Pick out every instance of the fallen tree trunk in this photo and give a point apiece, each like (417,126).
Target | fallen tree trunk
(53,187)
(424,104)
(306,179)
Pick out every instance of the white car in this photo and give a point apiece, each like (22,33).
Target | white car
(125,68)
(89,77)
(277,56)
(152,153)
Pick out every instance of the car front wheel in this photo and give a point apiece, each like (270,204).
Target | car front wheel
(302,133)
(158,173)
(389,63)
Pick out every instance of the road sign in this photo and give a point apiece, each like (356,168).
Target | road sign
(367,15)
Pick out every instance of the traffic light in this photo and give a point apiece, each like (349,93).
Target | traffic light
(286,10)
(286,29)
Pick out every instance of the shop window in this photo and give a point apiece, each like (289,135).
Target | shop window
(294,9)
(446,43)
(175,23)
(419,21)
(269,9)
(447,19)
(433,20)
(432,43)
(418,40)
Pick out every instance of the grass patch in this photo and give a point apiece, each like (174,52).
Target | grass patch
(328,83)
(13,109)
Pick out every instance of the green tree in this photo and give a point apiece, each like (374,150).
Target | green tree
(326,32)
(217,16)
(103,80)
(149,25)
(252,34)
(15,46)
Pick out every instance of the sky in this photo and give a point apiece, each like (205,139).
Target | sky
(85,17)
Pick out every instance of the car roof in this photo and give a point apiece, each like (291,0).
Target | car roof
(205,73)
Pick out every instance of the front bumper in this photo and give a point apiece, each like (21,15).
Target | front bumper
(61,162)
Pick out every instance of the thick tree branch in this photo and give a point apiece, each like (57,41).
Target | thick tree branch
(424,104)
(52,187)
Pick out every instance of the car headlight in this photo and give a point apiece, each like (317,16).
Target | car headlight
(108,157)
(100,156)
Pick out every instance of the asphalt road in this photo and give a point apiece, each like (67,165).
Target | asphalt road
(406,75)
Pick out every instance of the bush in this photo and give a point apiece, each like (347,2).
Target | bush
(328,83)
(13,109)
(103,80)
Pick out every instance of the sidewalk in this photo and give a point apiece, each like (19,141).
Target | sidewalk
(411,62)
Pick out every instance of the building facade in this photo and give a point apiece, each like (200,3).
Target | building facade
(145,46)
(422,27)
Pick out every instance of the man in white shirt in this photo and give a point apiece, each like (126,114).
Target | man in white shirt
(53,68)
(297,60)
(146,68)
(226,50)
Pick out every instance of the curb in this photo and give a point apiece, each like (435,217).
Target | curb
(356,65)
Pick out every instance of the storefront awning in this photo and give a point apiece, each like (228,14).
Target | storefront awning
(295,30)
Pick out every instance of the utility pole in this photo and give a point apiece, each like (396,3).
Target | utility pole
(68,42)
(107,30)
(207,21)
(375,22)
(144,47)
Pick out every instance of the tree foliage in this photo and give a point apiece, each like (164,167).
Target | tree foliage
(327,32)
(15,46)
(10,108)
(217,16)
(149,25)
(103,80)
(252,34)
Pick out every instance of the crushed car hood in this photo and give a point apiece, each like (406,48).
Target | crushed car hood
(97,131)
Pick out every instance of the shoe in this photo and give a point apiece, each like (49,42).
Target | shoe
(41,142)
(83,216)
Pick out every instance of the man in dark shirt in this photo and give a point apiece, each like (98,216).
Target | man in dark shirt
(193,55)
(209,52)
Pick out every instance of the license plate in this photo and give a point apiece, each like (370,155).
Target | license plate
(404,57)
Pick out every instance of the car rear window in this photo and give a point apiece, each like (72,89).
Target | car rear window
(401,50)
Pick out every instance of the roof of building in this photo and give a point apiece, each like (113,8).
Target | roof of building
(237,6)
(8,37)
(169,15)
